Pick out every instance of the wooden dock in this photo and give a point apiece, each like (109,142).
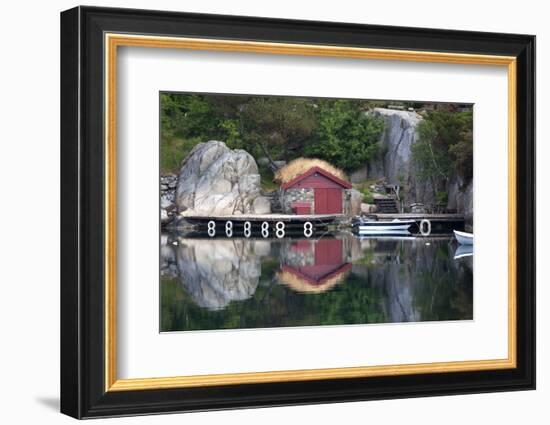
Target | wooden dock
(264,224)
(427,223)
(270,218)
(308,225)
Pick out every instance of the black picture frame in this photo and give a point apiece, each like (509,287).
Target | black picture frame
(83,392)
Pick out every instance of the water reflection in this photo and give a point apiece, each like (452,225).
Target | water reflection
(463,251)
(225,283)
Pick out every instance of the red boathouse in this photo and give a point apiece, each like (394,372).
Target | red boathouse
(327,190)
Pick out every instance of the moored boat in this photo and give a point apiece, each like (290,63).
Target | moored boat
(464,238)
(371,227)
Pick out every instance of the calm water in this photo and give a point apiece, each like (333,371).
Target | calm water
(237,283)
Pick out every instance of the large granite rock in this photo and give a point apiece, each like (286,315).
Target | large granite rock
(216,180)
(396,140)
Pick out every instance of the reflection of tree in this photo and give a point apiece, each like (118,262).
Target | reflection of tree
(443,292)
(390,281)
(274,305)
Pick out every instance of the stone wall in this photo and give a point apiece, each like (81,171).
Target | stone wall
(351,200)
(168,210)
(289,196)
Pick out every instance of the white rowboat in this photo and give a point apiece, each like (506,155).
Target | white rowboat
(384,227)
(464,238)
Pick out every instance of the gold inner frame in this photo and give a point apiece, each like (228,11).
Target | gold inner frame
(113,41)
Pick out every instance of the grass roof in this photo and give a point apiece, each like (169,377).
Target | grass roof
(301,165)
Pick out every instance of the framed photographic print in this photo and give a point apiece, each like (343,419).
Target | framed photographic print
(261,212)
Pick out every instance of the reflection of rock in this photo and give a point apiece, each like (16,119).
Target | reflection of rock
(216,272)
(215,180)
(405,270)
(393,280)
(168,266)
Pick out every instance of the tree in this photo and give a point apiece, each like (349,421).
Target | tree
(279,126)
(444,145)
(345,136)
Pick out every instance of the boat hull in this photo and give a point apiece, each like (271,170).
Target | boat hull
(404,227)
(384,227)
(464,238)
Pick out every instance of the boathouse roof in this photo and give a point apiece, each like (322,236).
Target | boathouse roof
(316,171)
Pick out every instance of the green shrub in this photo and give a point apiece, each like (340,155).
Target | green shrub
(441,197)
(173,151)
(367,195)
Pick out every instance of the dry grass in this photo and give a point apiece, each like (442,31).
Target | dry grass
(301,165)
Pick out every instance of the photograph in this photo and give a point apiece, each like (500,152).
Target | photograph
(281,211)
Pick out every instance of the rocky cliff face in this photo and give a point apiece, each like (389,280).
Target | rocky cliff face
(215,180)
(461,197)
(396,141)
(395,164)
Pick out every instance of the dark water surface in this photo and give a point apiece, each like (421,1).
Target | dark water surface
(236,283)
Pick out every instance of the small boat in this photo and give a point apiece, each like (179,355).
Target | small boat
(373,227)
(464,238)
(388,236)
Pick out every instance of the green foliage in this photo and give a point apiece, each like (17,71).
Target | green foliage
(173,151)
(441,197)
(233,137)
(367,195)
(442,296)
(274,305)
(345,135)
(283,128)
(445,144)
(278,128)
(267,178)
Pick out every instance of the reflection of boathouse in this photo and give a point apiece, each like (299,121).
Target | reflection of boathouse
(314,266)
(315,191)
